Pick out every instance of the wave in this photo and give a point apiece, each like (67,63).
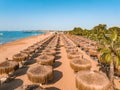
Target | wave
(1,34)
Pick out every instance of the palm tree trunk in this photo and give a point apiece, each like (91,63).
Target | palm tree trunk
(111,75)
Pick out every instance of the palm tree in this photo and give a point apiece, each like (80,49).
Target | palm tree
(109,53)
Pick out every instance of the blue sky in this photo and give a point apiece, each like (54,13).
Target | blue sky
(58,14)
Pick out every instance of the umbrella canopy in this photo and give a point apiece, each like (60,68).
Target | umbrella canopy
(49,52)
(72,50)
(93,52)
(45,59)
(91,80)
(72,55)
(51,47)
(80,64)
(28,51)
(70,47)
(54,44)
(40,73)
(34,47)
(8,66)
(20,57)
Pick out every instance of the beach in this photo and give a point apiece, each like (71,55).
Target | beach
(63,75)
(11,48)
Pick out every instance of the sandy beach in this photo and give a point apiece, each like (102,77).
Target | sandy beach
(9,49)
(59,44)
(63,75)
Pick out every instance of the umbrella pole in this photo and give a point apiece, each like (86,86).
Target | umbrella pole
(20,64)
(40,85)
(82,56)
(7,75)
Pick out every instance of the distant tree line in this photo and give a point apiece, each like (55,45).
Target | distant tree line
(97,30)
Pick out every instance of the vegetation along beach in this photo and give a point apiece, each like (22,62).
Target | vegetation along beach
(59,45)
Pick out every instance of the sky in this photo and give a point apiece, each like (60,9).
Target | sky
(58,14)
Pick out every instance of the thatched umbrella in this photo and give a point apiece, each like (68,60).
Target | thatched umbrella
(53,44)
(49,52)
(72,50)
(93,43)
(70,47)
(38,44)
(45,59)
(81,45)
(93,52)
(34,48)
(86,47)
(28,51)
(20,57)
(91,80)
(8,66)
(40,73)
(72,55)
(51,47)
(80,64)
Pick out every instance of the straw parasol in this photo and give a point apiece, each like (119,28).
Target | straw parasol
(8,66)
(72,55)
(35,46)
(91,80)
(20,57)
(80,64)
(72,50)
(93,52)
(49,52)
(70,47)
(45,59)
(28,51)
(54,44)
(40,73)
(82,44)
(51,47)
(86,48)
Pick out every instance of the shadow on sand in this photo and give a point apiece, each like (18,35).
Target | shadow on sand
(57,75)
(11,85)
(57,64)
(57,57)
(58,49)
(58,52)
(20,71)
(52,88)
(30,61)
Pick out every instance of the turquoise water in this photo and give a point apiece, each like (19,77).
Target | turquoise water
(8,36)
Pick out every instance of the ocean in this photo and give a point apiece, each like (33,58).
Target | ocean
(8,36)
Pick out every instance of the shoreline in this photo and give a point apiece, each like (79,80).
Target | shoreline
(20,39)
(7,50)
